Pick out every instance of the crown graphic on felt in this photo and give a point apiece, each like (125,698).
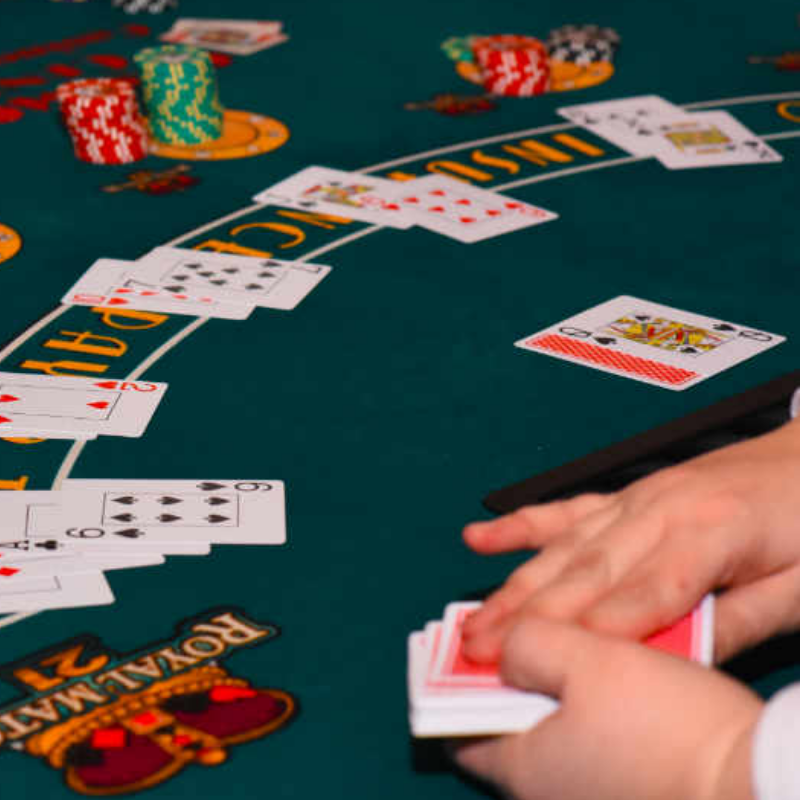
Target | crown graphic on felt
(146,737)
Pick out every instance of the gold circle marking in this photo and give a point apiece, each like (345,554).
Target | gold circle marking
(243,135)
(783,110)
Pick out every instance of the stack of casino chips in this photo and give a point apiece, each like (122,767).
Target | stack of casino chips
(103,120)
(583,44)
(152,6)
(179,86)
(514,66)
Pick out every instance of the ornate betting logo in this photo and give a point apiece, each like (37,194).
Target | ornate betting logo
(116,724)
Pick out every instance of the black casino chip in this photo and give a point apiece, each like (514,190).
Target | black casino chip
(583,44)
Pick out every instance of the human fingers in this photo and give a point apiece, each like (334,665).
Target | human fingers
(532,526)
(484,630)
(668,582)
(747,615)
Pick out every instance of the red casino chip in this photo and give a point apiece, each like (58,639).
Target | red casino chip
(514,66)
(103,120)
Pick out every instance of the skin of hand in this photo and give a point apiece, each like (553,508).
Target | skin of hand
(633,723)
(632,562)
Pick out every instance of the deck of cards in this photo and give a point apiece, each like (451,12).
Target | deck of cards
(56,545)
(449,695)
(444,205)
(239,37)
(649,125)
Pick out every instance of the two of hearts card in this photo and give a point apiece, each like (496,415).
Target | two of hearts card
(66,407)
(450,695)
(55,546)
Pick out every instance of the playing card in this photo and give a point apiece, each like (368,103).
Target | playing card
(451,696)
(707,139)
(23,433)
(42,532)
(268,283)
(154,513)
(63,403)
(650,342)
(465,212)
(346,194)
(110,283)
(59,591)
(19,573)
(618,121)
(237,37)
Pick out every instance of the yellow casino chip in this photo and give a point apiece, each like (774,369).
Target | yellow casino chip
(243,135)
(566,75)
(10,243)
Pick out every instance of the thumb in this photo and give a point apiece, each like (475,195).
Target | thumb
(540,654)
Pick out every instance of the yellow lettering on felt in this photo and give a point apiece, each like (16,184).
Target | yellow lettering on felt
(66,667)
(479,157)
(145,319)
(568,140)
(81,343)
(16,485)
(64,367)
(462,171)
(296,235)
(218,246)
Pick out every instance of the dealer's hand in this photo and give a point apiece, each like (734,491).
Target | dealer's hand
(634,723)
(631,562)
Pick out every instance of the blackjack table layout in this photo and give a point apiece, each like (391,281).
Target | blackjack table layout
(392,401)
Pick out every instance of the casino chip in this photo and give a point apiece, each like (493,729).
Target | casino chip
(136,6)
(179,86)
(514,66)
(103,120)
(583,44)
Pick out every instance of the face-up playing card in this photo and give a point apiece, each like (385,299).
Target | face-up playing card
(234,36)
(268,283)
(650,342)
(465,212)
(110,283)
(31,527)
(346,194)
(18,574)
(59,591)
(84,405)
(707,139)
(153,513)
(618,120)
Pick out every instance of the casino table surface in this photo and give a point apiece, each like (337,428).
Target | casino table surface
(392,399)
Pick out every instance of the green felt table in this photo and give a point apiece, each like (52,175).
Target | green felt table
(392,399)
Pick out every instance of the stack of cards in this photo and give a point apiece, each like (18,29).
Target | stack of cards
(449,695)
(239,37)
(63,407)
(650,342)
(652,126)
(447,206)
(55,546)
(175,280)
